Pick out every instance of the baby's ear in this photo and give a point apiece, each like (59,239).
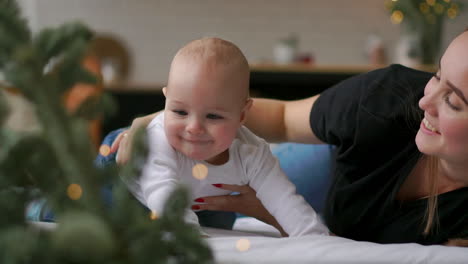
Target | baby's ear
(247,106)
(164,89)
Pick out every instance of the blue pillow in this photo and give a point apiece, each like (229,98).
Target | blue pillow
(309,167)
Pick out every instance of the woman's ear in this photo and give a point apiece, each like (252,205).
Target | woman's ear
(164,89)
(246,108)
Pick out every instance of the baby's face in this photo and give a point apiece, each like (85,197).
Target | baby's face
(204,109)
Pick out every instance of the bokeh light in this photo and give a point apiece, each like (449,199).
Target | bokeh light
(104,150)
(397,17)
(74,191)
(200,171)
(453,11)
(439,9)
(243,244)
(424,8)
(153,215)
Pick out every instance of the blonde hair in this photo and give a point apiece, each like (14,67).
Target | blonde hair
(431,217)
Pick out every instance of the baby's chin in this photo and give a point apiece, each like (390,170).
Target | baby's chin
(199,156)
(211,158)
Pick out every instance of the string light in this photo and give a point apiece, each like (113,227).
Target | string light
(430,10)
(74,191)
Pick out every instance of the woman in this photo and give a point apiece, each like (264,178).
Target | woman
(402,151)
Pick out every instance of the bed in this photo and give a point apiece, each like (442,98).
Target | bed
(252,241)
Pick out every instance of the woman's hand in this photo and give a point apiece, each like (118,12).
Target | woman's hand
(246,203)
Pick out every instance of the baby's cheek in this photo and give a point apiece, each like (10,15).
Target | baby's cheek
(174,141)
(226,136)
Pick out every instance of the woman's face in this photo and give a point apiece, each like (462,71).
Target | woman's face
(444,129)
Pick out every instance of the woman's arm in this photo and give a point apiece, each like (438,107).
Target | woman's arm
(282,121)
(246,203)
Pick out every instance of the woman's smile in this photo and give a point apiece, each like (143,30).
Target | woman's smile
(427,127)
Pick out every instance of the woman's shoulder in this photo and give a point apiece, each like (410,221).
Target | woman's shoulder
(395,77)
(394,90)
(393,82)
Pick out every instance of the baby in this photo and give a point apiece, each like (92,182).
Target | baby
(199,139)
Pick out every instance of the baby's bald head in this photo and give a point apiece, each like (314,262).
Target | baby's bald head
(215,58)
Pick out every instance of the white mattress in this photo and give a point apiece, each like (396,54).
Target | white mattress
(262,245)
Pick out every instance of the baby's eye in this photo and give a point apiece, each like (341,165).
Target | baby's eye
(180,112)
(213,116)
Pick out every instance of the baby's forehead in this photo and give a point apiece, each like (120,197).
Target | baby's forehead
(206,103)
(210,69)
(210,62)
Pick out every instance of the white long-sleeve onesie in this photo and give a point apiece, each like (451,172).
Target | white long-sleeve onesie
(250,162)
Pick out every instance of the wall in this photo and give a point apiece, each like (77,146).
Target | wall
(334,30)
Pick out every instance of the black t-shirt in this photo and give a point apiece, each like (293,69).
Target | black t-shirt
(373,119)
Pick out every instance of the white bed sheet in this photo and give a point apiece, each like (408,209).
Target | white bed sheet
(266,247)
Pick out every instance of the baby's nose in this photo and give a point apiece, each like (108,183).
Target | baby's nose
(195,127)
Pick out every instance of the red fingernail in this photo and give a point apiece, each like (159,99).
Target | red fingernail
(195,207)
(200,200)
(217,185)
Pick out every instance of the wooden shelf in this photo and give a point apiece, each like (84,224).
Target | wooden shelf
(312,68)
(344,70)
(134,87)
(304,68)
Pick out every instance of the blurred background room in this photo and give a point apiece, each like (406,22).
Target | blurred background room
(296,48)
